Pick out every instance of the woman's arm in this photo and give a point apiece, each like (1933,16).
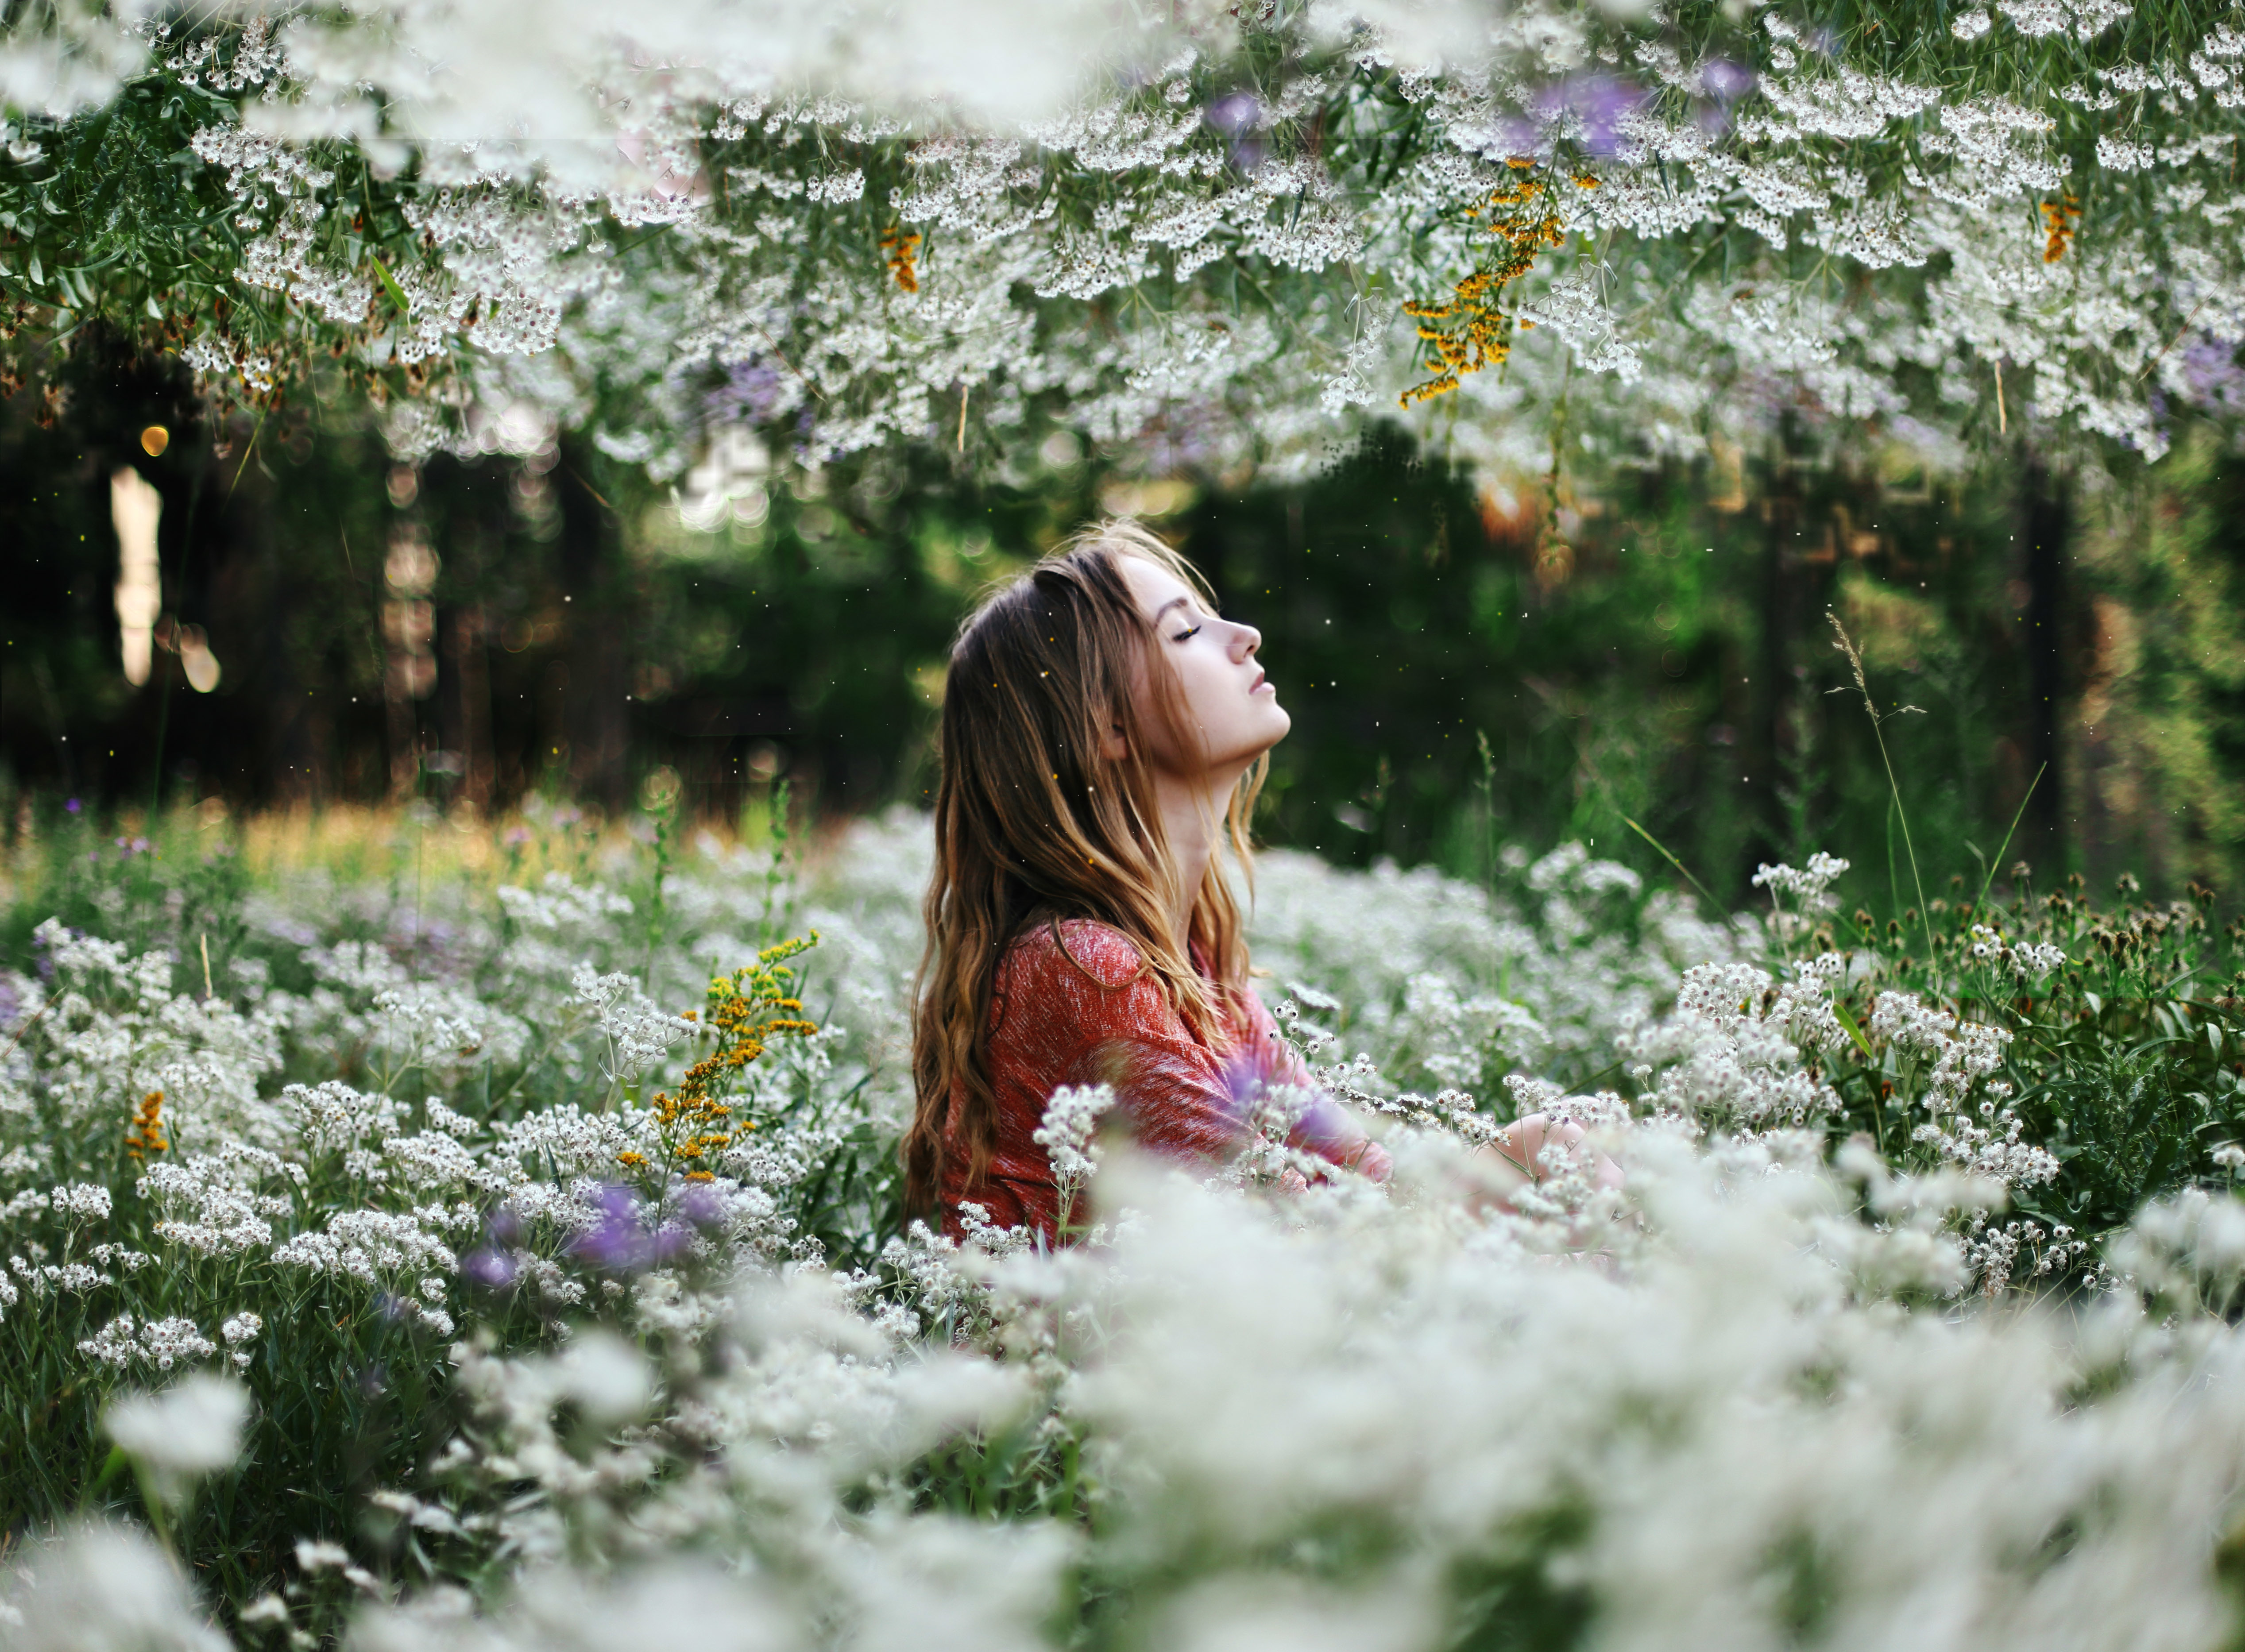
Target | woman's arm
(1326,1129)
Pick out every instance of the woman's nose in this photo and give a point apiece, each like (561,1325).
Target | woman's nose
(1246,640)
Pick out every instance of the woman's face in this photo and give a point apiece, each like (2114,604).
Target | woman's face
(1226,697)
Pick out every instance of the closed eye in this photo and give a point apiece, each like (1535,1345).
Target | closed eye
(1184,635)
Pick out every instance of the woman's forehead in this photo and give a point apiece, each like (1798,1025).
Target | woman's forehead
(1154,585)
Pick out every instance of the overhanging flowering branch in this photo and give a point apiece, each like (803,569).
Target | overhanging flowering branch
(656,228)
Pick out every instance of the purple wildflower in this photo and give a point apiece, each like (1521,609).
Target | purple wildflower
(750,394)
(617,1240)
(1233,113)
(1727,82)
(1592,108)
(1237,115)
(2210,374)
(700,1205)
(489,1267)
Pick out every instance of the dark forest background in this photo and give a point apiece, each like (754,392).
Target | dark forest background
(1470,662)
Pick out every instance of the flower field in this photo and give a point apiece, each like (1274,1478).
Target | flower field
(433,1239)
(473,1224)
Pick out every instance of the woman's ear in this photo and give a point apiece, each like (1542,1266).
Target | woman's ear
(1112,746)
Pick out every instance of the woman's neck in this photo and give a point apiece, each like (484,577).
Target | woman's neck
(1192,822)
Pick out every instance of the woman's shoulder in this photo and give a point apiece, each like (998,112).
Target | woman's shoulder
(1079,946)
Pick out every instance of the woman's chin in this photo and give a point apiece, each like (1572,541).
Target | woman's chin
(1254,738)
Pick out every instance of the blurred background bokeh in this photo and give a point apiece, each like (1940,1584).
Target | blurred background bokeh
(1472,660)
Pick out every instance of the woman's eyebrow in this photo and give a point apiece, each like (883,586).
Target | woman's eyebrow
(1165,607)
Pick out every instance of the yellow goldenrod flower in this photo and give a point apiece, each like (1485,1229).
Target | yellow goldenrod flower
(146,1135)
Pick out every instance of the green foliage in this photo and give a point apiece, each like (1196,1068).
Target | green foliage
(2125,1062)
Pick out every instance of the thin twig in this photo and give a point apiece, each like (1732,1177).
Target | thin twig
(595,492)
(2172,342)
(249,448)
(28,1026)
(780,356)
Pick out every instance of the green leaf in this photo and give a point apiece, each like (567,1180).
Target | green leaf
(390,285)
(1854,1032)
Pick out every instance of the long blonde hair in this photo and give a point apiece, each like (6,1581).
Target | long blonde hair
(1035,822)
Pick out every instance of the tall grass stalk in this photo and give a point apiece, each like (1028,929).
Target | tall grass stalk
(1846,645)
(1663,849)
(1988,875)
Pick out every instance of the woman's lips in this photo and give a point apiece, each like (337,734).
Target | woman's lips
(1262,682)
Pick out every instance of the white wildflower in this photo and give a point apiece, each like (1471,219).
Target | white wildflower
(189,1430)
(160,1343)
(1071,1119)
(81,1201)
(104,1588)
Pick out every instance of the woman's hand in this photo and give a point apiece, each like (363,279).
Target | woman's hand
(1515,1157)
(1523,1143)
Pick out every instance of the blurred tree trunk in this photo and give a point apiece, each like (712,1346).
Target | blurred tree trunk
(596,715)
(2047,521)
(466,701)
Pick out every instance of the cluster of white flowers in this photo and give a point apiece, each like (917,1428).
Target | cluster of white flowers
(1454,984)
(85,1200)
(411,1206)
(108,1026)
(211,1203)
(1730,1053)
(160,1343)
(1065,1134)
(2028,961)
(1636,1420)
(375,1246)
(1989,1146)
(637,1031)
(238,1332)
(191,1429)
(560,906)
(1809,886)
(1962,1052)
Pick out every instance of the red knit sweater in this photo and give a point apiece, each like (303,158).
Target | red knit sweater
(1054,1023)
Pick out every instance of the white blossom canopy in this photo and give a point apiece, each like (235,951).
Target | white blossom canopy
(1208,236)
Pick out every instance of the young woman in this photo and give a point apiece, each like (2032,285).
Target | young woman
(1104,730)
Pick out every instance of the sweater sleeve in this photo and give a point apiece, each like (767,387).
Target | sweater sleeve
(1178,1096)
(1171,1090)
(1076,1008)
